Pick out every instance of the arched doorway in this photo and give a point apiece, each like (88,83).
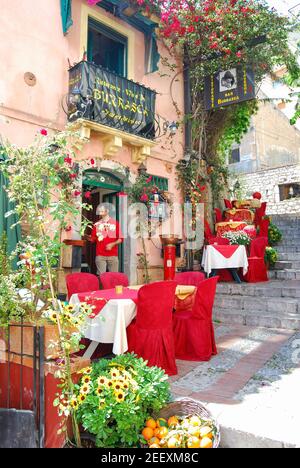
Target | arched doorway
(105,188)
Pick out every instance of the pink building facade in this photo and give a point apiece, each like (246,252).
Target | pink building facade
(34,91)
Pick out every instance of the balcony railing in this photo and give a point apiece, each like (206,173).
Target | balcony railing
(101,96)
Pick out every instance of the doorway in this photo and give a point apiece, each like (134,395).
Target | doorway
(105,188)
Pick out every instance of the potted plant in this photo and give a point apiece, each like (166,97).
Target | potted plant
(271,256)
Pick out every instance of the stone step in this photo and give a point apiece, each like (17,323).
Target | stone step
(258,304)
(288,274)
(286,321)
(289,289)
(288,249)
(286,265)
(288,256)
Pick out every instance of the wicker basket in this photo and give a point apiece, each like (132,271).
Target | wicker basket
(187,407)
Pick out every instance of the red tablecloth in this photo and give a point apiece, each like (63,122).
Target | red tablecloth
(100,298)
(226,250)
(239,215)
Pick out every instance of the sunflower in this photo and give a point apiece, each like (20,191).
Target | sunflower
(81,398)
(120,396)
(85,389)
(118,386)
(101,403)
(86,370)
(99,391)
(115,373)
(53,316)
(69,308)
(125,386)
(102,380)
(74,403)
(86,379)
(109,384)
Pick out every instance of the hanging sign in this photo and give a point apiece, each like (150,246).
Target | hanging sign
(229,87)
(115,101)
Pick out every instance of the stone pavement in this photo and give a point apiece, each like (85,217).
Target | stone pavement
(252,386)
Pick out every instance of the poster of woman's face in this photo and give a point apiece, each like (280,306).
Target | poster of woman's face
(228,80)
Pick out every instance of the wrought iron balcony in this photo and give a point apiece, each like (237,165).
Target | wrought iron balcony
(100,96)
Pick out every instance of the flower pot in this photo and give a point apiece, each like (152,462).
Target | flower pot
(51,344)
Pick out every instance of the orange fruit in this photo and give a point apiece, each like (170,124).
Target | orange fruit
(193,442)
(151,423)
(154,446)
(206,431)
(147,433)
(156,431)
(173,442)
(206,443)
(161,422)
(172,421)
(163,432)
(153,440)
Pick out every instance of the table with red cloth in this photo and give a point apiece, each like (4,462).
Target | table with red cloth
(244,215)
(225,257)
(112,315)
(229,226)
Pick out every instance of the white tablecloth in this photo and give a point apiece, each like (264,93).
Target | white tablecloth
(214,260)
(109,326)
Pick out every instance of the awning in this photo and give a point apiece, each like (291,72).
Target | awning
(138,21)
(8,224)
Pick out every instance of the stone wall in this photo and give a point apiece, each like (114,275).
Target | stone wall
(267,182)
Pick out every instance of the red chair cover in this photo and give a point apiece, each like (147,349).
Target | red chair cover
(228,204)
(257,271)
(151,334)
(264,228)
(218,215)
(260,213)
(193,330)
(81,282)
(111,280)
(219,241)
(189,278)
(207,230)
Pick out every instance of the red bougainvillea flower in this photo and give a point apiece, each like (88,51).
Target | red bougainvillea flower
(144,198)
(43,132)
(68,160)
(203,188)
(93,162)
(149,180)
(73,176)
(88,195)
(76,193)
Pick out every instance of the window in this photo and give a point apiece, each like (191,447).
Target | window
(235,156)
(288,191)
(161,183)
(107,48)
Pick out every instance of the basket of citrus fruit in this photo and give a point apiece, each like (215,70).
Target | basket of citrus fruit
(181,424)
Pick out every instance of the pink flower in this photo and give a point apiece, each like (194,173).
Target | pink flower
(73,176)
(43,132)
(144,198)
(239,54)
(76,193)
(88,195)
(93,162)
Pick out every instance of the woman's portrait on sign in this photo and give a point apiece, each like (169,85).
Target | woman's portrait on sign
(228,80)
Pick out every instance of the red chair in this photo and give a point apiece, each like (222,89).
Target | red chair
(81,282)
(257,271)
(193,329)
(150,336)
(218,241)
(218,215)
(228,204)
(260,213)
(111,280)
(189,278)
(264,228)
(207,230)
